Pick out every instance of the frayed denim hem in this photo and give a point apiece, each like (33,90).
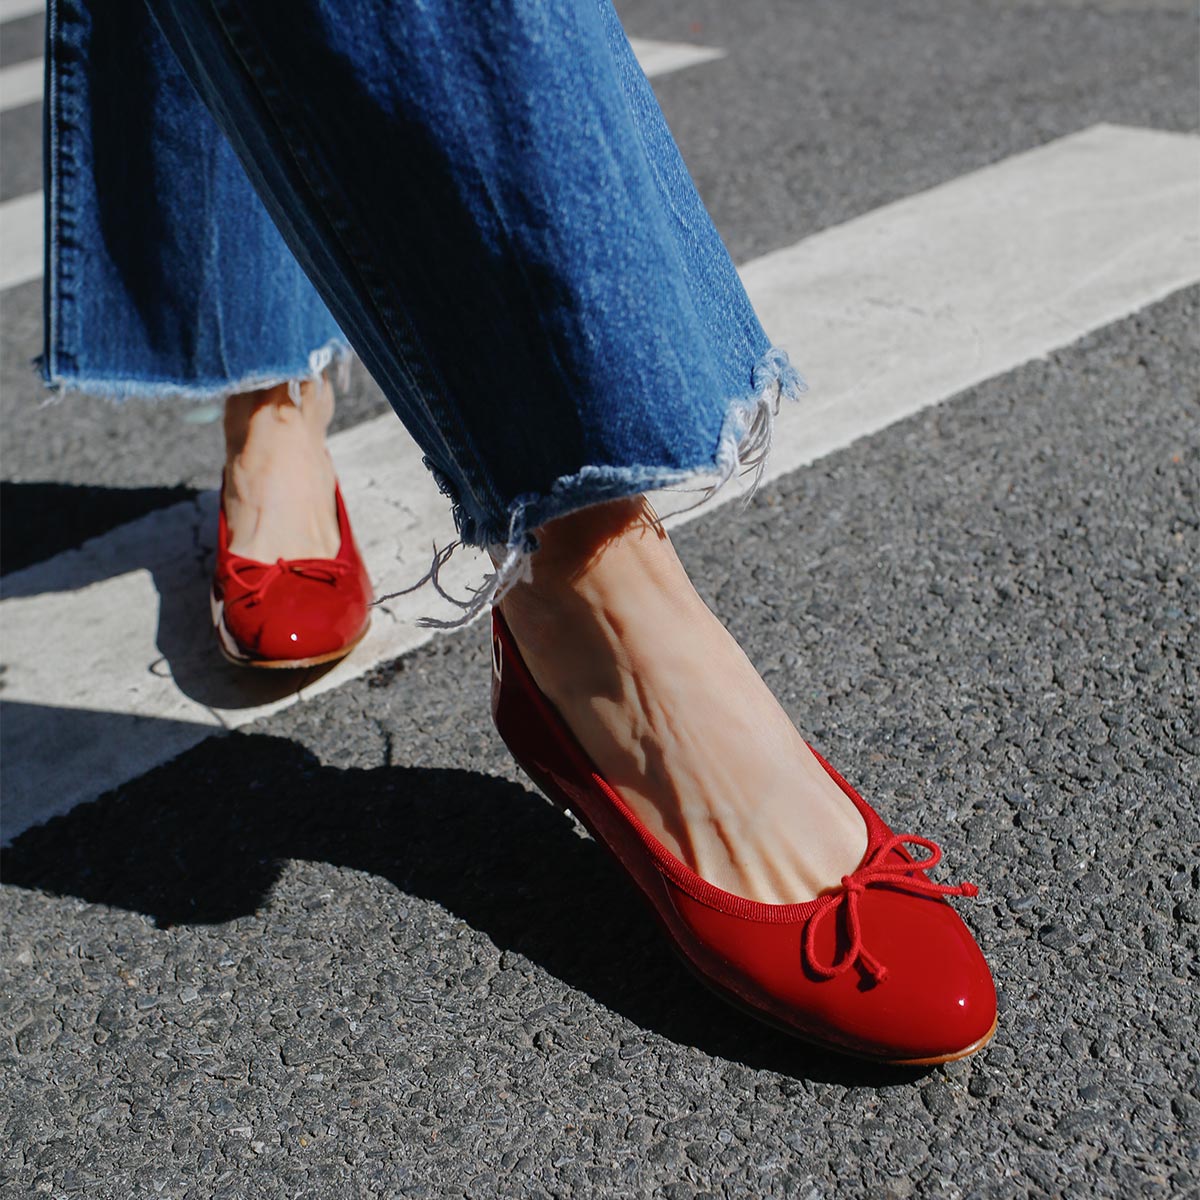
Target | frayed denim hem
(335,353)
(744,444)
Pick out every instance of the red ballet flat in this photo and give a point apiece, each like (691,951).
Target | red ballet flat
(294,612)
(880,967)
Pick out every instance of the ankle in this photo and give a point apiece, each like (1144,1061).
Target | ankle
(605,586)
(260,422)
(597,554)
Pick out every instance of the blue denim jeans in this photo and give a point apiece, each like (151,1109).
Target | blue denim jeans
(481,199)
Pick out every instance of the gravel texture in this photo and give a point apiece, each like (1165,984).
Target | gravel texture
(351,953)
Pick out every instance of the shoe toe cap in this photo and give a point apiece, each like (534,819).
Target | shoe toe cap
(936,997)
(304,619)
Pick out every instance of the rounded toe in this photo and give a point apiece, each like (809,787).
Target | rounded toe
(923,992)
(934,997)
(304,620)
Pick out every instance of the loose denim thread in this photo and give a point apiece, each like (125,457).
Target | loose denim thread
(318,361)
(745,444)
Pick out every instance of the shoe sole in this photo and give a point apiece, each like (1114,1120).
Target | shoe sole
(227,644)
(735,1001)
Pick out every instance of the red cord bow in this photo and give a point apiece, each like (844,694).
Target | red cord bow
(323,570)
(879,871)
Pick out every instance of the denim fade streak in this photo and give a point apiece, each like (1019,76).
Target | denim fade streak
(482,200)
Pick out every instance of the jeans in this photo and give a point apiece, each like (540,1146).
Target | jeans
(481,199)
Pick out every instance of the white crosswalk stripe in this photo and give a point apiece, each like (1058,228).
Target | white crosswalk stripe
(21,83)
(21,240)
(14,10)
(661,58)
(886,314)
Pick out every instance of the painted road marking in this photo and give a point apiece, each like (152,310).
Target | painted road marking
(14,10)
(21,240)
(938,292)
(21,220)
(660,58)
(111,668)
(21,83)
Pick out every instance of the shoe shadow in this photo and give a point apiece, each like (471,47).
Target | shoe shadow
(104,533)
(493,853)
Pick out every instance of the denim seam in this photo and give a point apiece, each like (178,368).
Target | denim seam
(59,230)
(43,362)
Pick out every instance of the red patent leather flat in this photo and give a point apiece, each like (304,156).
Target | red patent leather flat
(294,612)
(881,967)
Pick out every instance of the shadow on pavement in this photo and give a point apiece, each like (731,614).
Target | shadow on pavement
(175,544)
(202,841)
(40,520)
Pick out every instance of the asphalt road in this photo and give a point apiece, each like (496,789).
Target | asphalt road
(351,952)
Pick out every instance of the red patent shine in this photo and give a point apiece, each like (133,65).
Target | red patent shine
(919,991)
(292,611)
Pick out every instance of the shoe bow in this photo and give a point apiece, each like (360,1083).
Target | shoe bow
(322,570)
(877,873)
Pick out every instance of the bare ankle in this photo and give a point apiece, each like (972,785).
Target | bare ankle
(585,547)
(598,576)
(279,478)
(269,414)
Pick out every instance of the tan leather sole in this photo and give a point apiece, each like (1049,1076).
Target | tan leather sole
(290,664)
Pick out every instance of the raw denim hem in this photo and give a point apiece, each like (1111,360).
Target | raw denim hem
(336,353)
(744,444)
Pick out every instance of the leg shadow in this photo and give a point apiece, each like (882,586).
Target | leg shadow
(40,520)
(498,856)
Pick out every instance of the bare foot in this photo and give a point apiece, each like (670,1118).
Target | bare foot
(279,478)
(673,713)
